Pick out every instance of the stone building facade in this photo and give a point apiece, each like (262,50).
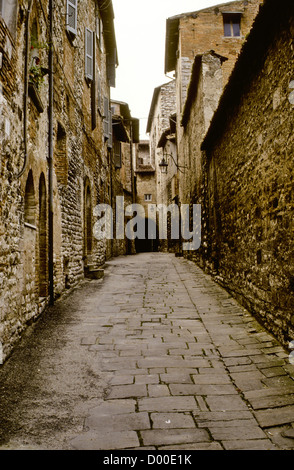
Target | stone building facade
(125,135)
(56,151)
(220,31)
(146,190)
(222,28)
(248,182)
(159,121)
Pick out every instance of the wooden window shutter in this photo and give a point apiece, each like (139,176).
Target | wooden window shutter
(106,117)
(117,154)
(71,16)
(109,144)
(99,92)
(89,54)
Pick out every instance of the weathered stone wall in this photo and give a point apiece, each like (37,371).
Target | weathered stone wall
(81,176)
(249,182)
(21,298)
(203,31)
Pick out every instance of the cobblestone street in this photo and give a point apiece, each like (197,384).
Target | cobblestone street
(153,356)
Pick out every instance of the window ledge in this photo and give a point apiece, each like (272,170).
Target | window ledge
(33,227)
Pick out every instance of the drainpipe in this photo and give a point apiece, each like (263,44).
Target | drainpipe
(26,84)
(50,157)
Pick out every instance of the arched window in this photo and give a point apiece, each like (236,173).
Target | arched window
(87,219)
(43,259)
(29,201)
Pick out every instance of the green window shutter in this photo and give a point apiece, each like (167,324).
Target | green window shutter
(89,54)
(71,16)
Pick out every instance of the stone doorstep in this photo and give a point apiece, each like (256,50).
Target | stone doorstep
(93,273)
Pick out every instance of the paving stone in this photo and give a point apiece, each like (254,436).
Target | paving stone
(167,404)
(275,417)
(118,422)
(226,403)
(147,379)
(254,444)
(158,390)
(244,431)
(207,390)
(211,379)
(168,361)
(174,436)
(172,420)
(122,380)
(105,408)
(199,446)
(271,402)
(127,391)
(204,418)
(177,377)
(273,371)
(92,440)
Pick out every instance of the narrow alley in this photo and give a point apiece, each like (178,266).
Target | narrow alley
(153,356)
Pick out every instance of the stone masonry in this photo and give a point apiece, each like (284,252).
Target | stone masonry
(84,60)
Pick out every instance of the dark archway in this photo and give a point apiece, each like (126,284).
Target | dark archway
(148,244)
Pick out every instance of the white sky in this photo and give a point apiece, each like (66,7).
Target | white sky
(140,28)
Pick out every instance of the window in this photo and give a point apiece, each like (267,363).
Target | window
(148,197)
(106,117)
(8,11)
(232,24)
(99,32)
(29,201)
(61,159)
(117,153)
(89,53)
(109,143)
(99,92)
(71,16)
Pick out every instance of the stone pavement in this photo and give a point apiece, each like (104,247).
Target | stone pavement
(183,365)
(186,366)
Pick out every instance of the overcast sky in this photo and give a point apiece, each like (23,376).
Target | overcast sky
(140,28)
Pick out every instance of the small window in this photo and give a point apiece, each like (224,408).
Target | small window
(89,54)
(29,201)
(8,11)
(109,143)
(99,92)
(106,117)
(148,197)
(99,32)
(117,153)
(71,16)
(232,24)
